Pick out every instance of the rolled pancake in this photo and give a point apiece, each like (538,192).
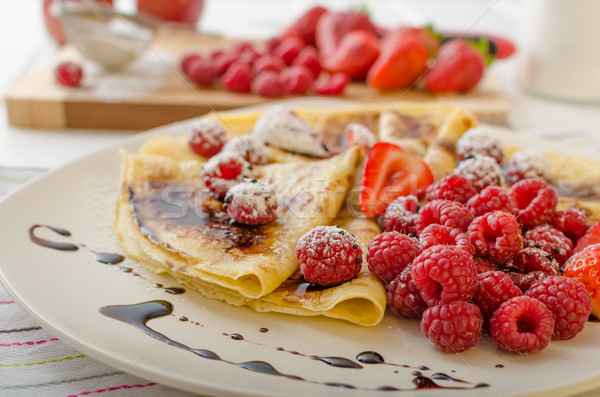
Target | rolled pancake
(165,202)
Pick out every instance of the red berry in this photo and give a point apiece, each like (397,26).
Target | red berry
(491,198)
(493,289)
(267,62)
(526,164)
(584,266)
(435,234)
(452,187)
(207,137)
(480,171)
(223,62)
(328,255)
(459,67)
(522,325)
(550,240)
(496,236)
(445,274)
(237,78)
(335,85)
(403,296)
(309,58)
(591,236)
(241,46)
(250,148)
(531,259)
(298,80)
(479,141)
(269,84)
(223,171)
(249,56)
(68,74)
(271,45)
(354,55)
(251,202)
(202,71)
(534,200)
(572,222)
(304,27)
(444,212)
(484,265)
(389,253)
(289,49)
(569,302)
(186,60)
(401,214)
(453,327)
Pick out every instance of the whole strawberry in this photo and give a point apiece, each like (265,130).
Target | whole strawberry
(304,27)
(354,55)
(334,26)
(459,67)
(585,267)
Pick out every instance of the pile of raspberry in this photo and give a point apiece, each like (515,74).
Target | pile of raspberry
(282,66)
(474,255)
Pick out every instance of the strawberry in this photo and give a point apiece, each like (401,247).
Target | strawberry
(499,47)
(459,67)
(354,55)
(403,60)
(585,267)
(592,236)
(333,26)
(304,27)
(388,173)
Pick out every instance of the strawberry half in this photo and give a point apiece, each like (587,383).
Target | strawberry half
(388,173)
(592,236)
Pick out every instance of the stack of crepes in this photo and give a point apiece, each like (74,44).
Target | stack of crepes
(168,222)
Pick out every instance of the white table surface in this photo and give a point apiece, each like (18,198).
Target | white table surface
(23,41)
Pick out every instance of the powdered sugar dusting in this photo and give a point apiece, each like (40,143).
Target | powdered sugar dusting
(208,130)
(256,197)
(479,141)
(528,163)
(249,147)
(480,171)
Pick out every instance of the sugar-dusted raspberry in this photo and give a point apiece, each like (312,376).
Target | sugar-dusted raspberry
(551,240)
(207,137)
(269,84)
(492,198)
(328,255)
(223,171)
(400,215)
(496,235)
(572,222)
(534,200)
(493,289)
(359,135)
(522,325)
(526,164)
(309,58)
(202,71)
(250,148)
(289,49)
(569,302)
(452,187)
(334,85)
(481,171)
(531,259)
(68,74)
(484,265)
(268,62)
(389,253)
(403,296)
(453,327)
(435,234)
(298,80)
(445,274)
(237,78)
(444,212)
(251,202)
(481,141)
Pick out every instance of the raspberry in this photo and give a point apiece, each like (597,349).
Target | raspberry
(202,71)
(403,296)
(271,45)
(525,280)
(483,265)
(550,240)
(530,259)
(328,255)
(207,137)
(224,61)
(444,274)
(309,58)
(400,215)
(534,200)
(186,60)
(237,78)
(435,234)
(68,74)
(268,62)
(479,141)
(493,289)
(223,171)
(240,46)
(251,202)
(445,212)
(298,80)
(289,49)
(572,222)
(335,85)
(269,84)
(389,253)
(481,171)
(453,327)
(522,325)
(452,187)
(250,148)
(495,235)
(526,164)
(248,56)
(491,198)
(568,300)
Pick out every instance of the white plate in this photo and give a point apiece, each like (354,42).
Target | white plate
(64,291)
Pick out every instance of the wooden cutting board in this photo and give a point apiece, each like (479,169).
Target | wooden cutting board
(153,91)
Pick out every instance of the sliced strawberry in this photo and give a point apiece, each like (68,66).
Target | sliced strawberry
(592,236)
(388,173)
(304,27)
(333,26)
(355,54)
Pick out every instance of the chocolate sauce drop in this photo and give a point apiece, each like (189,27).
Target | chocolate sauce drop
(174,290)
(236,336)
(423,382)
(49,243)
(499,366)
(108,258)
(441,376)
(339,362)
(263,330)
(370,358)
